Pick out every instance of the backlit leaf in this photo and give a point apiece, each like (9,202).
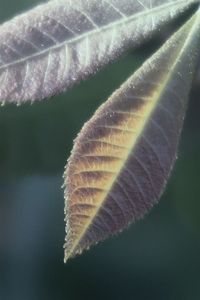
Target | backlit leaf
(48,49)
(123,156)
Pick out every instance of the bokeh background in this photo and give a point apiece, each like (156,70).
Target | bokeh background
(158,258)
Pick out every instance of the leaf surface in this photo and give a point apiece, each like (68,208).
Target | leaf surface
(123,156)
(49,48)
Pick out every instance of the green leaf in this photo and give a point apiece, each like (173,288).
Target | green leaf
(123,156)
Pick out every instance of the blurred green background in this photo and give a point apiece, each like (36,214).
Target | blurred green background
(156,259)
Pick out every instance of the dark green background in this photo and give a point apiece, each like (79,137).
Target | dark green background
(156,259)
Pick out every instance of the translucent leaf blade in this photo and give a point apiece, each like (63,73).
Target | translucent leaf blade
(123,156)
(48,49)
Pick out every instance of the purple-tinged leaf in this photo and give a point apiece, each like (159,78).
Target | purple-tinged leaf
(53,46)
(123,156)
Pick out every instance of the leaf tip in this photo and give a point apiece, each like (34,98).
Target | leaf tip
(70,250)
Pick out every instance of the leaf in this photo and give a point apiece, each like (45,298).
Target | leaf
(48,49)
(123,156)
